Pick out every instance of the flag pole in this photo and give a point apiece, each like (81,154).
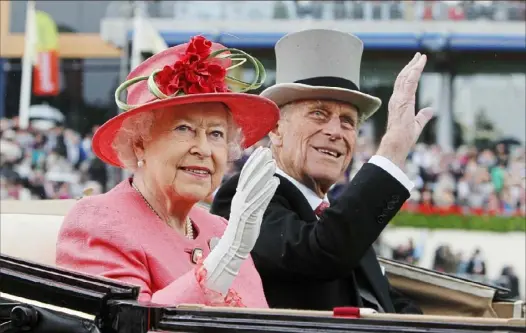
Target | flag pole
(136,49)
(27,65)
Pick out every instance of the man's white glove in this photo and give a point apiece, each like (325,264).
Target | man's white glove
(256,187)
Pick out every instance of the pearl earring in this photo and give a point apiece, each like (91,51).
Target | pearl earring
(140,163)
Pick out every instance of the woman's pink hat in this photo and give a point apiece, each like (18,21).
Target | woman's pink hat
(194,72)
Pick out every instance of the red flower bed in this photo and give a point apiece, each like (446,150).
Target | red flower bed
(426,209)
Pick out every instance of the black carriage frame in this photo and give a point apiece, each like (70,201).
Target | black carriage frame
(114,308)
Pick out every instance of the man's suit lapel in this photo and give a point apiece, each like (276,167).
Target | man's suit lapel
(373,273)
(369,264)
(297,200)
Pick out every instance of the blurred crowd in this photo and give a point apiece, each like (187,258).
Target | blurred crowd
(337,10)
(448,261)
(482,181)
(490,180)
(58,163)
(50,163)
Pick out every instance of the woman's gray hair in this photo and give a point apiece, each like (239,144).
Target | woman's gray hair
(139,129)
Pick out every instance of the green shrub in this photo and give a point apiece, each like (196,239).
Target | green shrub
(466,222)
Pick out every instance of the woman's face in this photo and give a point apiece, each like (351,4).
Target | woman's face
(187,155)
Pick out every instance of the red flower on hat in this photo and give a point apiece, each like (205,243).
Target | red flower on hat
(201,67)
(194,73)
(200,46)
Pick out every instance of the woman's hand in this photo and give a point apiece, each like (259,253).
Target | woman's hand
(256,187)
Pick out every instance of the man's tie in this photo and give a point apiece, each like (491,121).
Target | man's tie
(319,210)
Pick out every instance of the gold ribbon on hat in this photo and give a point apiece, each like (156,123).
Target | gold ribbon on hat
(237,57)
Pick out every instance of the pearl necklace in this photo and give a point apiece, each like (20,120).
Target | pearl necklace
(189,230)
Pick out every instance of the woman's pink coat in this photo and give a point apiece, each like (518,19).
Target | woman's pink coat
(117,236)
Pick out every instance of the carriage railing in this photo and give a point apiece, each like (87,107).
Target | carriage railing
(60,287)
(45,299)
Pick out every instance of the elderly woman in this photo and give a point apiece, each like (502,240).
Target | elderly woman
(179,130)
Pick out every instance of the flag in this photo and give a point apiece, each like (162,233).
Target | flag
(46,70)
(151,41)
(146,39)
(27,65)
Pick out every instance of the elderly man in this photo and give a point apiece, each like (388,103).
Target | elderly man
(310,256)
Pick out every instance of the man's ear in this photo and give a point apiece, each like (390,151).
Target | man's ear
(276,136)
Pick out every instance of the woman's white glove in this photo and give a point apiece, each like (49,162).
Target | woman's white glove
(256,187)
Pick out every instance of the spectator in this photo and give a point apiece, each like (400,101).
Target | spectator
(476,265)
(508,279)
(439,263)
(462,264)
(405,253)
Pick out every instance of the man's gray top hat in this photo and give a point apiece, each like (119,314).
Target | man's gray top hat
(320,64)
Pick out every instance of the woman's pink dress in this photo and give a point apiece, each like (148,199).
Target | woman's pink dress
(116,235)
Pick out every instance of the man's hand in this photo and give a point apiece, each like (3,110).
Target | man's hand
(403,126)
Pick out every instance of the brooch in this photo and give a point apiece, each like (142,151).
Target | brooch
(197,255)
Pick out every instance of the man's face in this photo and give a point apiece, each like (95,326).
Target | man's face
(314,141)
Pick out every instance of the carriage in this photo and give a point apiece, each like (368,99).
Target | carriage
(36,296)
